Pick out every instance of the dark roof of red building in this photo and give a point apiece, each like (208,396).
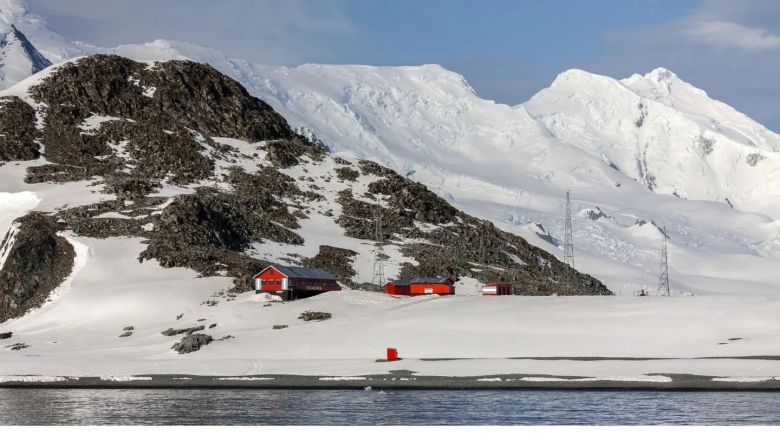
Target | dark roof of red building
(297,272)
(400,282)
(430,280)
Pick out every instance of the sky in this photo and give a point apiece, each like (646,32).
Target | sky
(507,49)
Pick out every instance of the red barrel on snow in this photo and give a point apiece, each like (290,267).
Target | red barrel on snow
(392,354)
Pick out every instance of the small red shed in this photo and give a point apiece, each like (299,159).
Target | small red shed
(492,289)
(431,285)
(397,287)
(293,282)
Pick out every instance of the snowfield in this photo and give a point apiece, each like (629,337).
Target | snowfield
(77,334)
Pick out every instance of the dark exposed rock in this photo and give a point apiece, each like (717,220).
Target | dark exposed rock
(126,334)
(130,187)
(17,130)
(335,260)
(155,153)
(280,326)
(213,325)
(373,168)
(36,264)
(185,92)
(189,331)
(18,346)
(310,315)
(753,159)
(414,198)
(6,335)
(154,108)
(128,328)
(346,173)
(191,343)
(286,153)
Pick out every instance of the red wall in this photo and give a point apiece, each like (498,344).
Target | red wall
(272,280)
(393,289)
(438,288)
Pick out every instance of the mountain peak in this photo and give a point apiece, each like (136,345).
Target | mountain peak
(18,57)
(661,74)
(581,78)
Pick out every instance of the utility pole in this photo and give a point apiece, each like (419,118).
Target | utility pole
(568,240)
(379,251)
(663,278)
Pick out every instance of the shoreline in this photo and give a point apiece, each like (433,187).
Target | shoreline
(396,381)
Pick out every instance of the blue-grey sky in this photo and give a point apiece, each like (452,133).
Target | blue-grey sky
(506,49)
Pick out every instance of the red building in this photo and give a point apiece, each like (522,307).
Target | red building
(397,287)
(431,285)
(291,282)
(492,289)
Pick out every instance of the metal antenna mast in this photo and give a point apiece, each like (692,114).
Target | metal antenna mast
(663,278)
(568,240)
(379,251)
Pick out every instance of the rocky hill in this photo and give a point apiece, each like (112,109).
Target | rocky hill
(213,179)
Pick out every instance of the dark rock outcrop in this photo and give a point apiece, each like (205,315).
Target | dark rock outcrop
(17,130)
(191,343)
(335,260)
(311,315)
(36,264)
(188,331)
(6,335)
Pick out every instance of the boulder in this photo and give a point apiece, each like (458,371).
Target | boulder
(188,331)
(191,343)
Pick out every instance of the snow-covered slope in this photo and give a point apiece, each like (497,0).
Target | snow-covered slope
(667,134)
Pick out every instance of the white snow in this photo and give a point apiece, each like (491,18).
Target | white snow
(340,378)
(31,379)
(243,378)
(123,378)
(743,379)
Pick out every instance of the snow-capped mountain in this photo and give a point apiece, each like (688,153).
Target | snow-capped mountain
(649,151)
(667,134)
(18,57)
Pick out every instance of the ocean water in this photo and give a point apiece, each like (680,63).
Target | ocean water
(392,407)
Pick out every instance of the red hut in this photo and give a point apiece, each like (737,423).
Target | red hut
(431,285)
(291,282)
(397,287)
(492,289)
